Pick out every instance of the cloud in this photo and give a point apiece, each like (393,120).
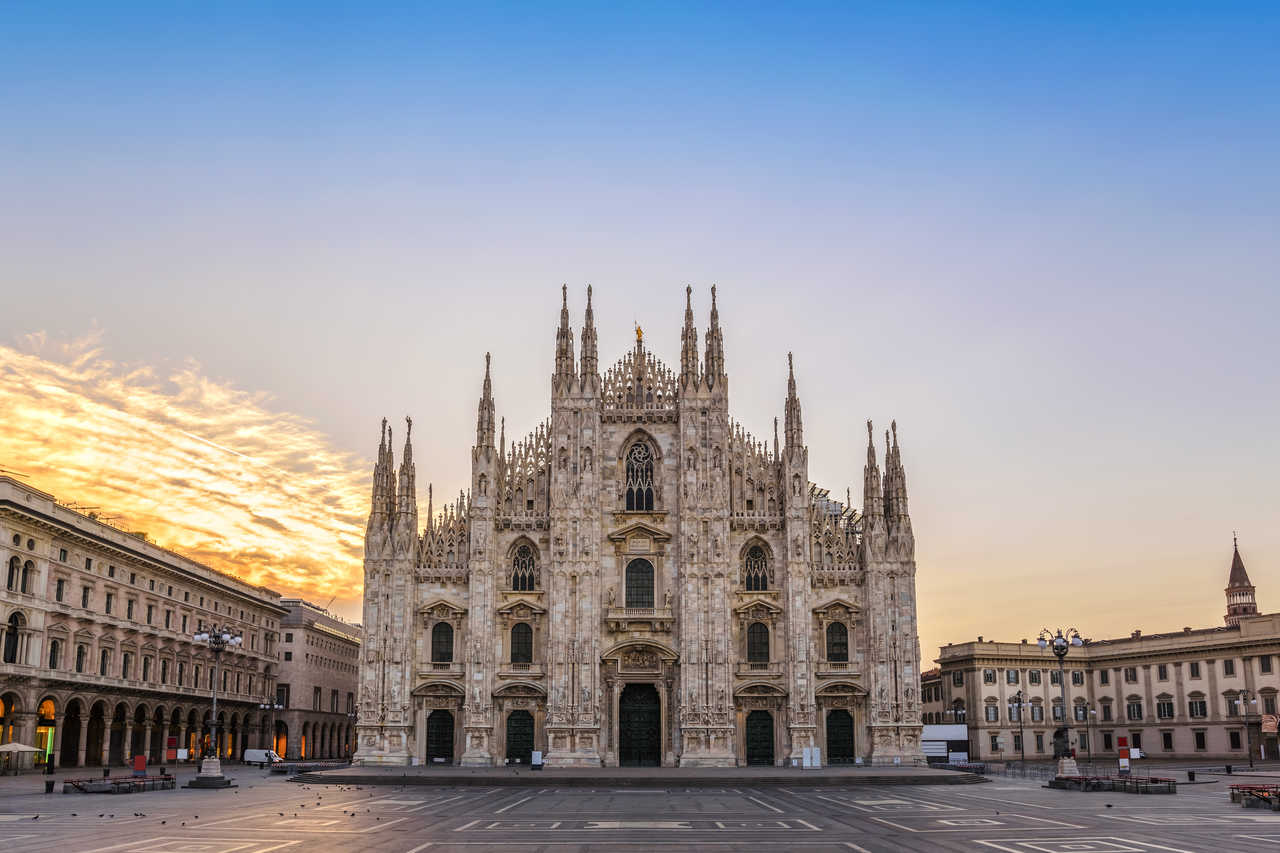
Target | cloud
(207,469)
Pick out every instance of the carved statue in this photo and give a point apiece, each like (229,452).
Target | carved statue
(666,599)
(611,596)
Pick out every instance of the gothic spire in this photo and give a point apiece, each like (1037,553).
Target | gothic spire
(378,504)
(431,509)
(406,495)
(688,343)
(713,364)
(872,500)
(590,360)
(564,338)
(1239,577)
(484,418)
(1241,600)
(794,427)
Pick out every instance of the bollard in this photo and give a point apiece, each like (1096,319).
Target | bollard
(48,786)
(1228,769)
(1191,775)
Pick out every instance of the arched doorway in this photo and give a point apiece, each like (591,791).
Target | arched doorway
(46,730)
(639,726)
(94,735)
(759,738)
(155,749)
(519,737)
(839,737)
(440,737)
(116,750)
(70,752)
(281,742)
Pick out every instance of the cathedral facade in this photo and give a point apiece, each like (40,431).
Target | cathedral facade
(639,581)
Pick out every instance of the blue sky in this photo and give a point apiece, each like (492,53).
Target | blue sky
(1043,236)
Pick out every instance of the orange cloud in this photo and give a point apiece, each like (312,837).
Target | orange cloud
(202,467)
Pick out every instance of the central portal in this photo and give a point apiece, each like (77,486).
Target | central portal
(639,726)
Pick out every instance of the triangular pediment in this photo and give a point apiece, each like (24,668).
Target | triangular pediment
(755,605)
(640,528)
(441,608)
(517,604)
(837,604)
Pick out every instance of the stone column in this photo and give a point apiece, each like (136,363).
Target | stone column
(106,742)
(128,740)
(164,741)
(84,737)
(56,755)
(183,740)
(146,740)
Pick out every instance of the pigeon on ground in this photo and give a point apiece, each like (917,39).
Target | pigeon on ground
(101,815)
(37,817)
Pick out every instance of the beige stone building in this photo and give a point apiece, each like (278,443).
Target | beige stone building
(96,629)
(316,689)
(639,581)
(1208,693)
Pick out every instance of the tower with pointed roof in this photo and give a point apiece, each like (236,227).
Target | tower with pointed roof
(639,580)
(1240,592)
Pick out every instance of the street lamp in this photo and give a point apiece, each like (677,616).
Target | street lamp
(1243,703)
(1022,738)
(219,639)
(1061,642)
(1092,717)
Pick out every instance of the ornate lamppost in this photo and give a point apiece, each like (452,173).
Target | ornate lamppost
(210,775)
(1022,737)
(273,707)
(1243,701)
(1061,642)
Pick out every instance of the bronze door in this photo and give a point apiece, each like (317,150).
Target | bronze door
(760,738)
(639,725)
(839,737)
(519,737)
(440,737)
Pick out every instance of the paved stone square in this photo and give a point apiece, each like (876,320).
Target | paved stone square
(268,813)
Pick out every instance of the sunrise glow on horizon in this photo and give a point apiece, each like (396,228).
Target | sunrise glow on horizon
(1041,239)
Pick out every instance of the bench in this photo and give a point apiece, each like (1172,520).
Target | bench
(1125,784)
(1257,796)
(118,784)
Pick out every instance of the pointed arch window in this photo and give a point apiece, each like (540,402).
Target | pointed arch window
(442,643)
(640,584)
(524,570)
(837,642)
(639,478)
(756,570)
(758,643)
(521,643)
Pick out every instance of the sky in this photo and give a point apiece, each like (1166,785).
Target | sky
(1042,237)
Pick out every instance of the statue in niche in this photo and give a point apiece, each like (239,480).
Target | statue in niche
(611,599)
(666,599)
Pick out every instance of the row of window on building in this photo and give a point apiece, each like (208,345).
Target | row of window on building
(1129,673)
(1107,742)
(283,697)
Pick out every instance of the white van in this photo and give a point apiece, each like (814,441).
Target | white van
(261,757)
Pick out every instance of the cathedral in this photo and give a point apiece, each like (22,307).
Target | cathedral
(639,582)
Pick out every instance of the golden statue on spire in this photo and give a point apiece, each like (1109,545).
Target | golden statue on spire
(639,334)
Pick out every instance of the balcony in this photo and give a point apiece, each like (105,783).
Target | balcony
(440,669)
(520,670)
(759,669)
(837,669)
(654,620)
